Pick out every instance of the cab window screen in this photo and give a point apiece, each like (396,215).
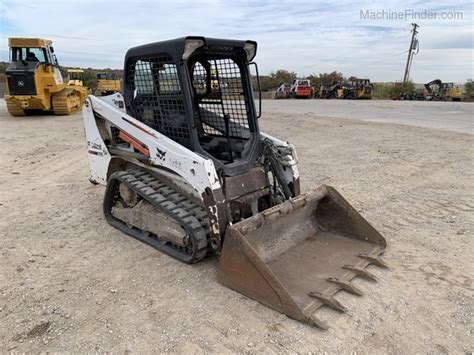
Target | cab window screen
(224,98)
(157,99)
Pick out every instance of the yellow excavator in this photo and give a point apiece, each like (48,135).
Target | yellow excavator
(35,83)
(440,91)
(107,83)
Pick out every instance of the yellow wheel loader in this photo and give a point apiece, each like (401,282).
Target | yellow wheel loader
(188,172)
(107,83)
(34,81)
(360,89)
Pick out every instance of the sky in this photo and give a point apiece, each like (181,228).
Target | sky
(302,36)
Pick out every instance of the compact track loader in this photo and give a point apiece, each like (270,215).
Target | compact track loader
(34,81)
(301,89)
(187,171)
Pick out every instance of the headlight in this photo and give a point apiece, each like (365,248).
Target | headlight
(251,49)
(190,46)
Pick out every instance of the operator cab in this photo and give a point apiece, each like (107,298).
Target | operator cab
(26,56)
(31,50)
(301,83)
(197,91)
(106,76)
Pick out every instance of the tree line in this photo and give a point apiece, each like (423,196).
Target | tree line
(269,82)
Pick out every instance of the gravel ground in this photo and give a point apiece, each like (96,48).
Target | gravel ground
(70,282)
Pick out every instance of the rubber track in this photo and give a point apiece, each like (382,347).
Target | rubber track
(188,214)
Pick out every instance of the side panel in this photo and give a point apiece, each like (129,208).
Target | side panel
(195,169)
(198,171)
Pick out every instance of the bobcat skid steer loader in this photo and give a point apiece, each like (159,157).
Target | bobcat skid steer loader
(188,172)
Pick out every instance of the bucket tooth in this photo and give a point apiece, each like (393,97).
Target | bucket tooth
(375,260)
(316,322)
(328,301)
(361,272)
(346,286)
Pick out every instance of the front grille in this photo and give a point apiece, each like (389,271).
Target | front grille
(21,83)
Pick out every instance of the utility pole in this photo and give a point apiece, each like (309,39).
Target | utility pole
(411,51)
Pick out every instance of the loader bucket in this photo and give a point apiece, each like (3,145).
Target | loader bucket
(295,256)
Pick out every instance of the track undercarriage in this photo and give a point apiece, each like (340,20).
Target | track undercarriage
(145,208)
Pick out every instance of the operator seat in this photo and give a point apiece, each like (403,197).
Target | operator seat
(31,57)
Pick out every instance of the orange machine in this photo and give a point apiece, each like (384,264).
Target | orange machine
(301,88)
